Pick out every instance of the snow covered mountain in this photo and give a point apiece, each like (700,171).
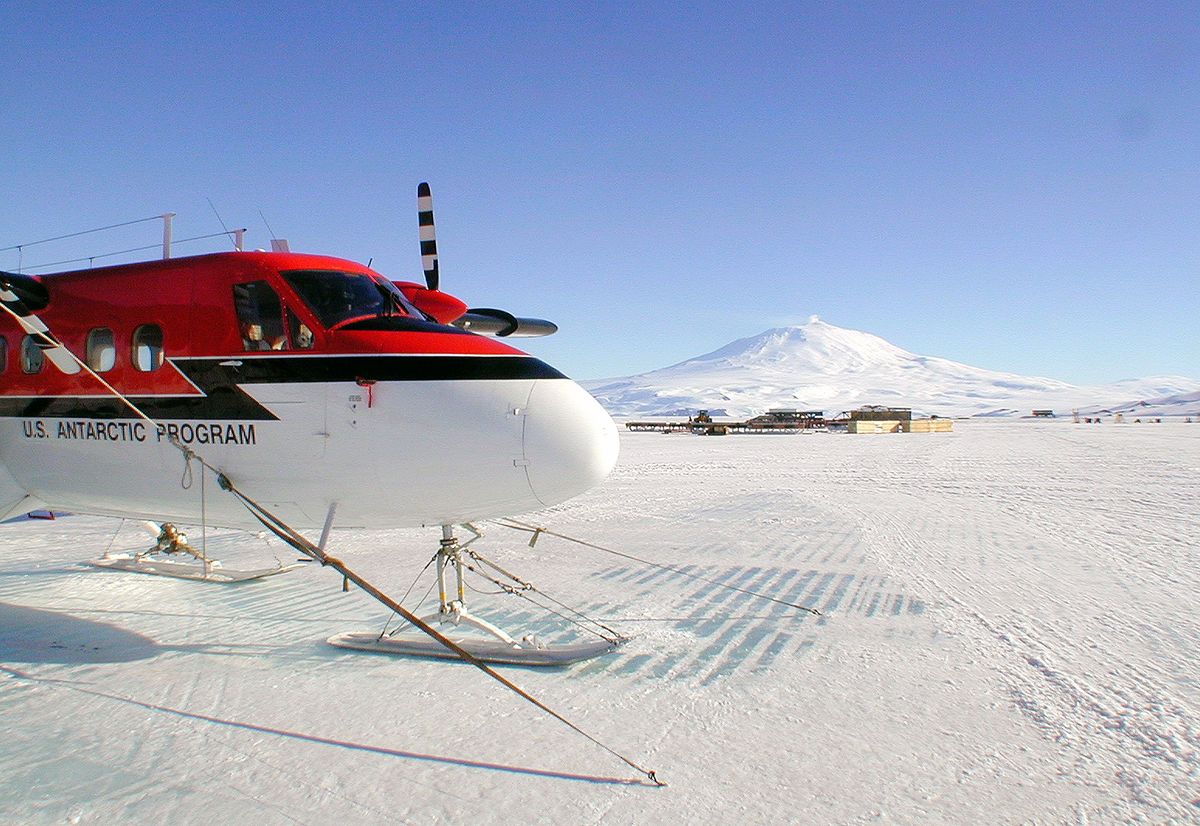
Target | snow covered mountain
(1180,404)
(819,366)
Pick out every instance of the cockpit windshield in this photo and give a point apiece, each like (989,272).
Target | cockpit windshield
(401,299)
(335,296)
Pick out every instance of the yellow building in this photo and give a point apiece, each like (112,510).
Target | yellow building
(930,425)
(875,426)
(899,426)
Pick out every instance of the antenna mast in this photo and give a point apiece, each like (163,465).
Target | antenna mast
(166,219)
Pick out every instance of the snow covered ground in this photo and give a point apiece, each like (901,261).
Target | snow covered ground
(1010,635)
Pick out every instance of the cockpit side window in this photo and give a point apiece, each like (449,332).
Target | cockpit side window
(302,337)
(260,316)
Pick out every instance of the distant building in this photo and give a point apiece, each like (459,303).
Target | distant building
(876,419)
(900,426)
(934,425)
(1043,414)
(874,426)
(780,416)
(875,413)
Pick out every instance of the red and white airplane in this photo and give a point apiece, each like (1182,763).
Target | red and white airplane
(313,386)
(316,383)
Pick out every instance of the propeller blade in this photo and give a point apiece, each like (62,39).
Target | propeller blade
(429,256)
(483,320)
(20,296)
(62,359)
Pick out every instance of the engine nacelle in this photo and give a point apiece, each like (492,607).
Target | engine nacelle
(492,322)
(444,307)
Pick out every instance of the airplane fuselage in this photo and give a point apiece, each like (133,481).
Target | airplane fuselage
(278,369)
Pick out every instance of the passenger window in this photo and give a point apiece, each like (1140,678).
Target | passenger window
(32,357)
(101,350)
(148,347)
(260,316)
(3,354)
(302,337)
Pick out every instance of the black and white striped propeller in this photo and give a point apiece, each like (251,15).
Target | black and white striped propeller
(21,296)
(484,320)
(429,257)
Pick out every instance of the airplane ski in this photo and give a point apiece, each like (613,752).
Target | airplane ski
(525,652)
(211,572)
(494,645)
(172,542)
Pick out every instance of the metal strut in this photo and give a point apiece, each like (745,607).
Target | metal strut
(454,611)
(172,541)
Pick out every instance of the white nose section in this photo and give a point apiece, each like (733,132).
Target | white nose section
(570,442)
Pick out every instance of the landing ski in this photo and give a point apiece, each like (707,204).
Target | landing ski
(525,652)
(213,572)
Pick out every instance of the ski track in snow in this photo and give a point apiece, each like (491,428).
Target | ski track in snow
(1008,635)
(1077,678)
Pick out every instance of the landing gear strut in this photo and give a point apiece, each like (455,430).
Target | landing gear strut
(172,543)
(455,611)
(496,647)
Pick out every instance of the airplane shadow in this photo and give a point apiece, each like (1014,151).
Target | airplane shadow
(30,635)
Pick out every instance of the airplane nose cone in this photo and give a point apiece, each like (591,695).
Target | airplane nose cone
(570,442)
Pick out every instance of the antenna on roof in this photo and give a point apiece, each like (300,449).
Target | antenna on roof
(277,244)
(166,219)
(238,236)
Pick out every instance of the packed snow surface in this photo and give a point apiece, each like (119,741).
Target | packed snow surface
(819,366)
(1009,635)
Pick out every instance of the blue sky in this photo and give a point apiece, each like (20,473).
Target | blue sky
(1016,186)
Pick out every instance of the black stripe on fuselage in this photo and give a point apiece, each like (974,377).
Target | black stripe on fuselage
(221,378)
(308,369)
(221,404)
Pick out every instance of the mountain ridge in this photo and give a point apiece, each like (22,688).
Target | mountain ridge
(818,365)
